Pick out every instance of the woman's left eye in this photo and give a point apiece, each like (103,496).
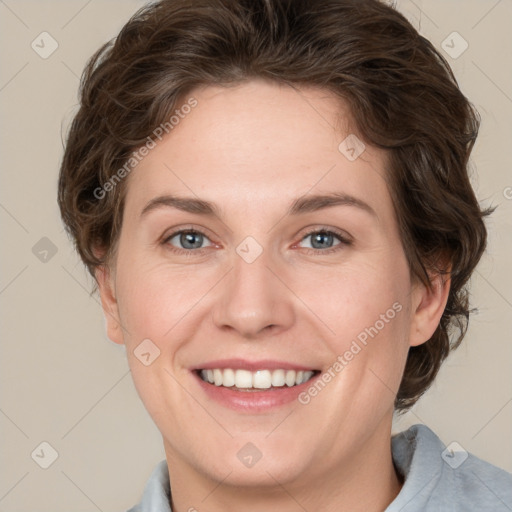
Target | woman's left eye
(322,240)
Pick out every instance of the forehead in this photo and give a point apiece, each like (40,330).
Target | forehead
(258,141)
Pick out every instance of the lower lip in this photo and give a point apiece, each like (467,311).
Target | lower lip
(253,401)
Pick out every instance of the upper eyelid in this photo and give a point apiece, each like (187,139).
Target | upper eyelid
(338,232)
(176,231)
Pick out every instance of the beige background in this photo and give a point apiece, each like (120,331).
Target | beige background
(64,382)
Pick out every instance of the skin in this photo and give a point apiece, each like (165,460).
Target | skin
(253,149)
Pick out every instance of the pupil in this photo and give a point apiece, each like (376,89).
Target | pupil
(321,237)
(187,238)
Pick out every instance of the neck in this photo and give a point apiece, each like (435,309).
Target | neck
(365,480)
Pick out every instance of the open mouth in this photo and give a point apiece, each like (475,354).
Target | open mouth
(245,380)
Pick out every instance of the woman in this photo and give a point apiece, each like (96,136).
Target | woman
(273,198)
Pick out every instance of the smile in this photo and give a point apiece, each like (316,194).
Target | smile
(254,387)
(261,379)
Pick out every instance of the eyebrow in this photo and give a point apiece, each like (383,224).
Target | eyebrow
(304,204)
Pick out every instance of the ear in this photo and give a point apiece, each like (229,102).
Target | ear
(428,307)
(106,287)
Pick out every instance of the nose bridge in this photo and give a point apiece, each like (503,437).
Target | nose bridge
(252,297)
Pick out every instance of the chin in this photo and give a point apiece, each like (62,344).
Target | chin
(253,461)
(269,471)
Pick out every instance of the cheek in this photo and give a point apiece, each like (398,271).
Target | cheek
(362,300)
(153,305)
(369,311)
(152,297)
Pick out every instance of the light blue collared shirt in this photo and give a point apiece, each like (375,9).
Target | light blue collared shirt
(437,479)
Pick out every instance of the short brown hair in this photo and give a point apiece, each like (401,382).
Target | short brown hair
(402,94)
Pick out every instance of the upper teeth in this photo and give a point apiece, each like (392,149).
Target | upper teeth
(261,379)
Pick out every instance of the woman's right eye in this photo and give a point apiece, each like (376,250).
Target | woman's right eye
(189,239)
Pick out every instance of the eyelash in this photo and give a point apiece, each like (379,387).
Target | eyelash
(344,241)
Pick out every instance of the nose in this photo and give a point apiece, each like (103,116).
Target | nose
(254,300)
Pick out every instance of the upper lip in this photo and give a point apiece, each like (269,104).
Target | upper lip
(244,364)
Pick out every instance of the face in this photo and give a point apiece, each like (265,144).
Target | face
(253,281)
